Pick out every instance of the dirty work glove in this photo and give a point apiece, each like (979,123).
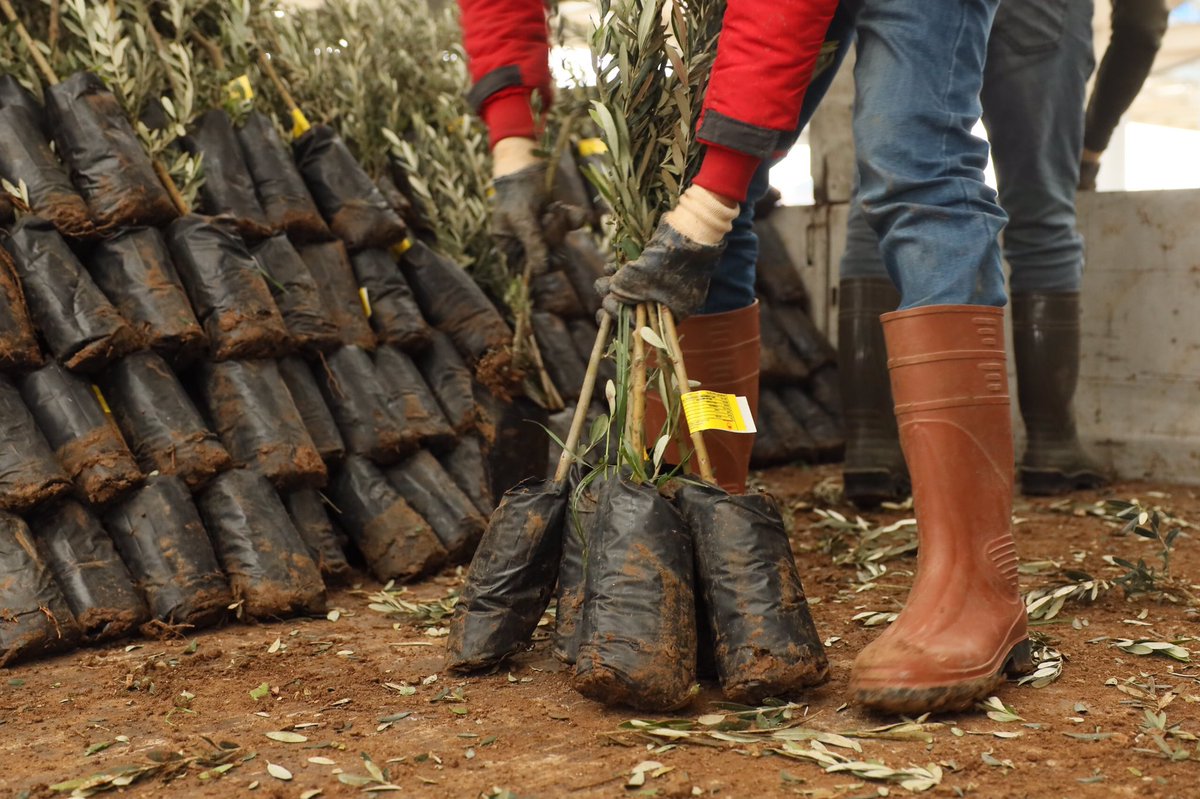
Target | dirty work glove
(675,267)
(526,222)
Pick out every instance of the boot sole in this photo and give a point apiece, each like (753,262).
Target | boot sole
(957,696)
(869,489)
(1052,482)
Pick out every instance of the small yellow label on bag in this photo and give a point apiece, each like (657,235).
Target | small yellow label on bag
(402,247)
(300,124)
(100,398)
(709,410)
(240,89)
(366,300)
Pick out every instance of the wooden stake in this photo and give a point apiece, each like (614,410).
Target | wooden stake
(703,464)
(664,386)
(264,61)
(585,397)
(637,386)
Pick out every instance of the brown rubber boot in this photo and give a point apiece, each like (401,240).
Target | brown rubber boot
(720,351)
(1046,347)
(874,469)
(963,626)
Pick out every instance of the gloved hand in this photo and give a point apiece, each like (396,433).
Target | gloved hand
(525,220)
(675,267)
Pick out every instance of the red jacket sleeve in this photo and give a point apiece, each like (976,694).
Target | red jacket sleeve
(766,55)
(507,46)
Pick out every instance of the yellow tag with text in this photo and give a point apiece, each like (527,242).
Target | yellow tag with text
(366,300)
(592,147)
(100,398)
(300,124)
(239,89)
(709,410)
(404,246)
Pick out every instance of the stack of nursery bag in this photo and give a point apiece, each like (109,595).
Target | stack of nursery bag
(182,391)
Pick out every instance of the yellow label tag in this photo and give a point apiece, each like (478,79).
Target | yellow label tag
(366,300)
(592,147)
(240,89)
(708,410)
(404,246)
(100,398)
(300,124)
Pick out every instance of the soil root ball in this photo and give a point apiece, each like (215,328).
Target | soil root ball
(94,579)
(307,510)
(449,378)
(29,473)
(297,295)
(409,397)
(84,436)
(14,95)
(427,487)
(552,292)
(777,277)
(267,561)
(258,422)
(134,270)
(78,323)
(395,541)
(352,205)
(318,421)
(330,268)
(25,157)
(394,314)
(228,189)
(766,644)
(163,428)
(511,577)
(454,304)
(108,165)
(227,289)
(583,264)
(163,542)
(578,526)
(36,618)
(18,342)
(468,466)
(778,360)
(359,402)
(280,188)
(809,343)
(638,642)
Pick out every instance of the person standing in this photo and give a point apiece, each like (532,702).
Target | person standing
(918,77)
(1038,62)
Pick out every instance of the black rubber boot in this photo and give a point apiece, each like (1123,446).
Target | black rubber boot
(874,469)
(1046,348)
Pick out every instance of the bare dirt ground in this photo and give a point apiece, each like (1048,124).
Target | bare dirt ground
(202,715)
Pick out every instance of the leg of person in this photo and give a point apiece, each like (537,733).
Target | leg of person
(873,470)
(919,75)
(1039,60)
(1137,32)
(721,344)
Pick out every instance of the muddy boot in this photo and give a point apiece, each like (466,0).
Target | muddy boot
(1046,347)
(721,352)
(963,626)
(874,469)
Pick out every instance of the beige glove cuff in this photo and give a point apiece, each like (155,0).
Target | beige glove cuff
(702,216)
(512,155)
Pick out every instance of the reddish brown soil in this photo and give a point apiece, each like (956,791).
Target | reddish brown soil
(525,730)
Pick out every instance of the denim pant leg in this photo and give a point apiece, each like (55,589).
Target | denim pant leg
(1038,63)
(732,285)
(918,77)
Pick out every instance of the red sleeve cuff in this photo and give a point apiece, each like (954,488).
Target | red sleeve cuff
(507,113)
(727,172)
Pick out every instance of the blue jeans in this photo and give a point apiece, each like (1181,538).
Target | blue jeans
(732,285)
(1038,62)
